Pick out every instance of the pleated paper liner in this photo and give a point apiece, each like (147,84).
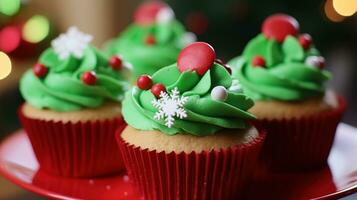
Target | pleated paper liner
(217,174)
(300,144)
(82,149)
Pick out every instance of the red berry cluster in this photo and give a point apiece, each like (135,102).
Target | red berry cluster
(144,82)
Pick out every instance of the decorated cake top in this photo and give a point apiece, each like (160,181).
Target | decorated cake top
(72,75)
(280,63)
(153,40)
(196,95)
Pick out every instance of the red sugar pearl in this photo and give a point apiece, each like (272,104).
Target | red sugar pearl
(89,77)
(258,61)
(157,89)
(305,41)
(144,82)
(40,70)
(115,62)
(150,40)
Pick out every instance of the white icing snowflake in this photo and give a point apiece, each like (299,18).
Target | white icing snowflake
(170,106)
(72,42)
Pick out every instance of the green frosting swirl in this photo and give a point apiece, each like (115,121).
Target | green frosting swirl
(147,59)
(205,116)
(62,88)
(286,76)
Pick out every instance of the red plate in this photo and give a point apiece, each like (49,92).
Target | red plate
(18,164)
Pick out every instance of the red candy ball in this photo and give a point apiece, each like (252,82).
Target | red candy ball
(150,40)
(147,12)
(198,56)
(157,89)
(305,40)
(144,82)
(89,77)
(279,26)
(40,70)
(258,61)
(115,62)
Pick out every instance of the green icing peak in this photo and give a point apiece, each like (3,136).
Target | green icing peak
(62,88)
(285,76)
(169,38)
(205,116)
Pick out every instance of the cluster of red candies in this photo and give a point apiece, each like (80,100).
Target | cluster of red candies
(88,77)
(198,57)
(278,27)
(145,82)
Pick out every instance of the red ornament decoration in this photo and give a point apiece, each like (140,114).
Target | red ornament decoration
(279,26)
(150,40)
(198,56)
(116,63)
(144,82)
(258,61)
(40,70)
(157,89)
(305,40)
(146,13)
(89,77)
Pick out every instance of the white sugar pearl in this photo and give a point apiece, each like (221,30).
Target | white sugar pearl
(315,61)
(219,93)
(165,15)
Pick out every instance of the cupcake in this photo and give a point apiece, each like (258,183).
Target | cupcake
(72,108)
(153,41)
(284,73)
(188,133)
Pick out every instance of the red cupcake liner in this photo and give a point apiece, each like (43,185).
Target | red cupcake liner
(303,143)
(82,149)
(216,174)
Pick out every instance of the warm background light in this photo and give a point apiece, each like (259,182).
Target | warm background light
(331,13)
(5,65)
(345,7)
(36,29)
(10,7)
(10,38)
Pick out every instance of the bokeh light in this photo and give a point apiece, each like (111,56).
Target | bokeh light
(345,7)
(5,65)
(10,38)
(10,7)
(36,29)
(331,13)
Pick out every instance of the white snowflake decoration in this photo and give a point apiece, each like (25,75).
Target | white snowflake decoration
(73,42)
(170,106)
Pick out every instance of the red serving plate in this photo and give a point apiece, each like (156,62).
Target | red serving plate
(338,179)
